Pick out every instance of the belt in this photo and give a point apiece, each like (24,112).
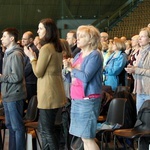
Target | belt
(92,96)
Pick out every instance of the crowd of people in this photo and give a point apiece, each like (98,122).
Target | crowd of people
(71,70)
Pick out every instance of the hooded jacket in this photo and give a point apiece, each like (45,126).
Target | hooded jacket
(12,78)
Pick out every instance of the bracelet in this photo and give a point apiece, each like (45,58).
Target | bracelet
(33,59)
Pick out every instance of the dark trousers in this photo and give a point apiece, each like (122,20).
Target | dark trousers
(47,129)
(66,125)
(31,91)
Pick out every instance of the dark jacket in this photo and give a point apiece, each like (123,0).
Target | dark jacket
(75,50)
(12,79)
(30,78)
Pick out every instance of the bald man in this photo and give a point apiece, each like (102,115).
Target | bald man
(30,78)
(104,37)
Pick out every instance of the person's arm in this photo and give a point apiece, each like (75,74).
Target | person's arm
(39,66)
(17,70)
(89,69)
(117,67)
(142,71)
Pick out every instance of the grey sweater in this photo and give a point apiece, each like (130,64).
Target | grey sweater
(12,78)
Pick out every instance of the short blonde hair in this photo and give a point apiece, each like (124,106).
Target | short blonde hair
(147,29)
(93,33)
(135,37)
(120,44)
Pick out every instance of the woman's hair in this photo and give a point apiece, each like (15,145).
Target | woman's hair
(66,51)
(135,37)
(52,34)
(104,46)
(147,29)
(120,44)
(128,44)
(92,32)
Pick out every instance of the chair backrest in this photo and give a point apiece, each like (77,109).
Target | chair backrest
(32,110)
(143,118)
(116,111)
(130,108)
(122,88)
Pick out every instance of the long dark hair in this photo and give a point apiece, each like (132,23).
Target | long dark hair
(52,34)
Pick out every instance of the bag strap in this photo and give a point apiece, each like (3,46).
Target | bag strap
(76,143)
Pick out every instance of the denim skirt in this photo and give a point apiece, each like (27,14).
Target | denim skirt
(84,114)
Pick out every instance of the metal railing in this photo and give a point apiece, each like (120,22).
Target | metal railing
(108,22)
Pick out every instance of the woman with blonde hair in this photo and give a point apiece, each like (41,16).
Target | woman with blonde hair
(141,69)
(132,59)
(86,86)
(115,64)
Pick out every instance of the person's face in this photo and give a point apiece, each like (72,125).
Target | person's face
(83,40)
(25,40)
(37,42)
(41,30)
(127,45)
(70,39)
(114,47)
(134,42)
(103,37)
(6,39)
(143,38)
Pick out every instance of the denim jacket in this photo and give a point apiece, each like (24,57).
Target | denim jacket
(113,68)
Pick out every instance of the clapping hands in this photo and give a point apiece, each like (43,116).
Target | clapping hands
(68,64)
(130,69)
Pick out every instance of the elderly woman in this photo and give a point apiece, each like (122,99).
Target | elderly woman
(115,64)
(132,58)
(86,86)
(141,70)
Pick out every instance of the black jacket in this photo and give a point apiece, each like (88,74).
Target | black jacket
(30,78)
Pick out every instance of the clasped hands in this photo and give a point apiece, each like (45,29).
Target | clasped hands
(68,64)
(130,69)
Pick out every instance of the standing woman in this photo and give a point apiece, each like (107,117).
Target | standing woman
(86,86)
(141,69)
(115,65)
(132,59)
(50,89)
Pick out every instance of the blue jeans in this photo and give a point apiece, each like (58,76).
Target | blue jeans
(14,122)
(140,99)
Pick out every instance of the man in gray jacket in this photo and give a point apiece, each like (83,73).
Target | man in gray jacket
(13,88)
